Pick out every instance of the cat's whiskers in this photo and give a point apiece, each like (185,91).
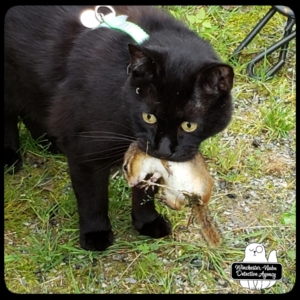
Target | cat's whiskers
(121,148)
(105,157)
(108,165)
(108,154)
(147,147)
(109,139)
(106,136)
(112,122)
(108,133)
(118,151)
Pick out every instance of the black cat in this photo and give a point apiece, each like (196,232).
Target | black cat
(94,91)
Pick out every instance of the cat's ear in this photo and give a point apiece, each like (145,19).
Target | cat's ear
(137,55)
(144,60)
(217,78)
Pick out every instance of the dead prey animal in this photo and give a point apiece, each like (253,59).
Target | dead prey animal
(180,184)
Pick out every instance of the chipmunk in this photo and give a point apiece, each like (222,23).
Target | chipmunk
(180,183)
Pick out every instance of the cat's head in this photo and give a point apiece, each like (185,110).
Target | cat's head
(179,102)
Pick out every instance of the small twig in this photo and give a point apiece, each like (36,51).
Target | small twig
(130,265)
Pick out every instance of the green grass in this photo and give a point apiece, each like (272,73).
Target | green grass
(253,198)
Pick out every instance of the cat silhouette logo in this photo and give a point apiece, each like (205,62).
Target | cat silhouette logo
(256,271)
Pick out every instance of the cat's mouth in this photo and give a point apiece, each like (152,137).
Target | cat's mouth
(176,156)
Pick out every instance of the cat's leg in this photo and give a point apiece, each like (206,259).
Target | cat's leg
(145,218)
(12,156)
(90,184)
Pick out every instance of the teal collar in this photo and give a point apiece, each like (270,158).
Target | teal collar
(95,20)
(120,23)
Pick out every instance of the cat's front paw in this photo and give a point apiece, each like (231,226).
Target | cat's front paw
(158,228)
(97,240)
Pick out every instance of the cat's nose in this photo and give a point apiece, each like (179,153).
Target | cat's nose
(163,150)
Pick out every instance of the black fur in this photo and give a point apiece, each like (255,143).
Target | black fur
(72,83)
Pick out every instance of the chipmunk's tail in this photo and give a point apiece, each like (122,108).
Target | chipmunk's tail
(209,230)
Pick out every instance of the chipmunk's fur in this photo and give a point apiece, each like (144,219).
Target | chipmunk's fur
(181,183)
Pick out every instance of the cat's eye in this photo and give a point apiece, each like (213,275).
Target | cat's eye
(125,168)
(149,118)
(189,126)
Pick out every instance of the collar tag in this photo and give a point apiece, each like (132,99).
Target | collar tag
(94,19)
